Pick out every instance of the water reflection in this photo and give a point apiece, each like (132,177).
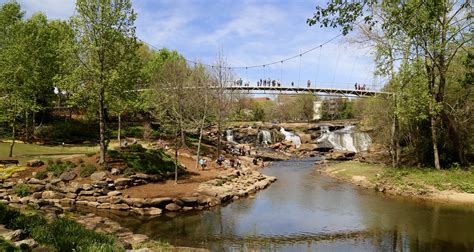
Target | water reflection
(305,211)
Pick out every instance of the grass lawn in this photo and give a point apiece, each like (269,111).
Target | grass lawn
(408,177)
(24,152)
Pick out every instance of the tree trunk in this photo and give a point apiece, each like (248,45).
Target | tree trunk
(27,129)
(176,158)
(13,138)
(395,142)
(434,139)
(200,134)
(103,148)
(119,129)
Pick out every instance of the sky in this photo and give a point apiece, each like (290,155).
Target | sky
(247,32)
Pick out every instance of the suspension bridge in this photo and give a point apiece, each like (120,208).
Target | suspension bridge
(303,90)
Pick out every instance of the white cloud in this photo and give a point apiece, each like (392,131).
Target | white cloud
(54,9)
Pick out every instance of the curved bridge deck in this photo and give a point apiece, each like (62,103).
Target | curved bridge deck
(303,90)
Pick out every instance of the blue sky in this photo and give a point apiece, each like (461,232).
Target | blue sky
(249,33)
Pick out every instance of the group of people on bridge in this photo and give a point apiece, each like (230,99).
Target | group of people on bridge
(265,83)
(269,82)
(360,87)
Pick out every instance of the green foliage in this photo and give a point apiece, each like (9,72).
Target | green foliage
(22,190)
(59,167)
(67,235)
(87,170)
(41,175)
(69,131)
(61,234)
(7,246)
(140,159)
(258,113)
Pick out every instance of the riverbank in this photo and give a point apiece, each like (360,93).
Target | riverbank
(451,186)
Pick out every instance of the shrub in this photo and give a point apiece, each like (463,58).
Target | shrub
(129,172)
(70,131)
(87,170)
(67,235)
(136,148)
(22,190)
(59,167)
(41,175)
(134,131)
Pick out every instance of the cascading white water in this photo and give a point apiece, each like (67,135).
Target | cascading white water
(229,136)
(289,136)
(346,138)
(265,137)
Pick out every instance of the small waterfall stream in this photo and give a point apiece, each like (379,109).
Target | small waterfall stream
(290,136)
(347,138)
(264,137)
(229,136)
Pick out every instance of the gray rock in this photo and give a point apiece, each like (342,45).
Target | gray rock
(34,163)
(172,207)
(98,176)
(55,181)
(36,181)
(30,242)
(189,201)
(8,185)
(119,206)
(160,202)
(15,235)
(87,187)
(115,171)
(114,193)
(67,176)
(51,195)
(122,182)
(104,206)
(86,193)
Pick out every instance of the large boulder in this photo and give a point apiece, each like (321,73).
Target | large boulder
(51,195)
(172,207)
(305,138)
(122,182)
(160,202)
(67,176)
(34,163)
(99,176)
(36,181)
(308,147)
(340,155)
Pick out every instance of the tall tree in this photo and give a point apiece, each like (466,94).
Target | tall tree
(13,67)
(107,50)
(436,32)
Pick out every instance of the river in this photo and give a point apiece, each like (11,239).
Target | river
(307,211)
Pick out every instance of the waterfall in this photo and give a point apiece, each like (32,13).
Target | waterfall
(264,136)
(289,136)
(229,136)
(346,138)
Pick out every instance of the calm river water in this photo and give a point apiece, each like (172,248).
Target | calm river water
(307,211)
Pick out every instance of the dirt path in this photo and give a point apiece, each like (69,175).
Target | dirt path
(185,187)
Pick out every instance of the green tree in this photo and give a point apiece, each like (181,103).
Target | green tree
(13,67)
(107,51)
(258,113)
(431,31)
